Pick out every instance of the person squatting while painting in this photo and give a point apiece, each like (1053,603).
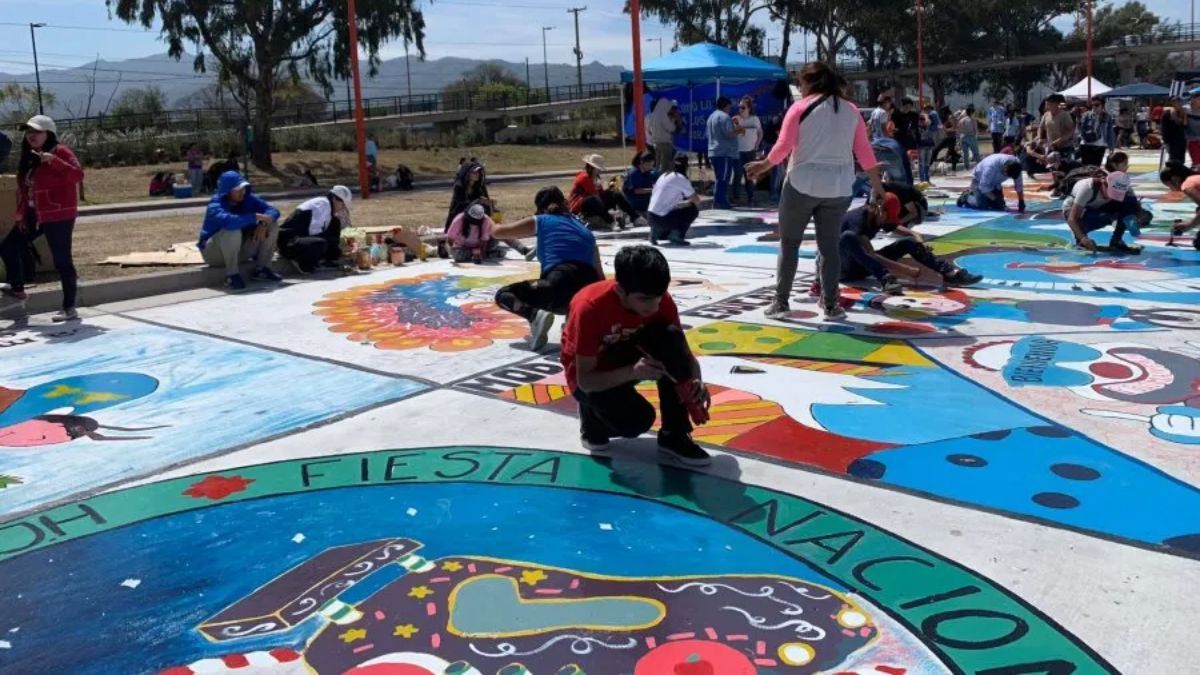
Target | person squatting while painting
(470,235)
(312,235)
(569,257)
(625,331)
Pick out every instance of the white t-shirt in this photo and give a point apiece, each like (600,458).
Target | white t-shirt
(1084,194)
(670,189)
(750,140)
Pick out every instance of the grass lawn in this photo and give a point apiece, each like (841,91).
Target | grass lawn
(127,184)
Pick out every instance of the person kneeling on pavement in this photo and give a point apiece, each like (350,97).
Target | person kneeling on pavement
(626,331)
(860,259)
(674,205)
(313,233)
(570,261)
(239,227)
(1096,203)
(987,184)
(470,235)
(594,202)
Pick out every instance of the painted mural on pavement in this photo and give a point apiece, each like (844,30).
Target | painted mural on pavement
(475,560)
(881,410)
(129,399)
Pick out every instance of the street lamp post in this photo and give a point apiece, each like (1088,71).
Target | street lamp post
(546,62)
(659,41)
(1089,51)
(769,41)
(37,73)
(920,54)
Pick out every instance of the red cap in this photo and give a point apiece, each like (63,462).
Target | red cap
(891,208)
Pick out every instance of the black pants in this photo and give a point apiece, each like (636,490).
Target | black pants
(58,236)
(552,292)
(858,264)
(676,222)
(948,143)
(1092,155)
(309,250)
(997,142)
(621,411)
(602,204)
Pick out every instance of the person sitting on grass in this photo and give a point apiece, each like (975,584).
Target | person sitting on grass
(1178,178)
(860,259)
(312,235)
(470,235)
(594,202)
(674,205)
(162,184)
(238,227)
(987,184)
(569,257)
(639,181)
(1096,203)
(625,331)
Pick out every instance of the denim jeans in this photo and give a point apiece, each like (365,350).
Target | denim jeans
(58,237)
(722,172)
(970,146)
(924,160)
(740,178)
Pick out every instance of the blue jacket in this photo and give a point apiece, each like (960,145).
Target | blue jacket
(222,215)
(636,180)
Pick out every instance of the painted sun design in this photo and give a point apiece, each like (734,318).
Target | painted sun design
(416,312)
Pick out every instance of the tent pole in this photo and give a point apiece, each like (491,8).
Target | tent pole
(691,109)
(622,119)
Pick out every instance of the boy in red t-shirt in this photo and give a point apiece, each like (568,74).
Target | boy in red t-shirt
(624,331)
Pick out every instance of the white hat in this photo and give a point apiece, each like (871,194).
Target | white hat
(343,193)
(40,123)
(596,161)
(476,212)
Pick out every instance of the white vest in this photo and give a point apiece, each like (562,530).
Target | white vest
(822,165)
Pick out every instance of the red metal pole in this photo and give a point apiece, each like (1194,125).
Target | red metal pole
(360,125)
(920,54)
(639,105)
(1089,51)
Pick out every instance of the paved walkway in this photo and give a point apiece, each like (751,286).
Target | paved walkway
(373,474)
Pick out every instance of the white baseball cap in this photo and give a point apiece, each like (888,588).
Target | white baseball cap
(40,123)
(1118,185)
(476,212)
(343,193)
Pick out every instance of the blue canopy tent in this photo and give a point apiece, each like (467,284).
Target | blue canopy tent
(1137,90)
(699,66)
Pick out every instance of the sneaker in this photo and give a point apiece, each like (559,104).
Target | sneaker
(235,282)
(682,449)
(641,221)
(677,239)
(531,253)
(539,329)
(961,277)
(891,285)
(1122,247)
(653,240)
(266,274)
(297,268)
(65,315)
(834,312)
(597,445)
(778,310)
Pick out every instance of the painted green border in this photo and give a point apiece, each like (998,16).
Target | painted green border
(971,623)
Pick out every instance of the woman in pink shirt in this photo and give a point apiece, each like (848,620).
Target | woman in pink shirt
(821,137)
(471,235)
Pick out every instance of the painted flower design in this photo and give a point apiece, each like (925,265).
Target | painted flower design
(416,312)
(218,487)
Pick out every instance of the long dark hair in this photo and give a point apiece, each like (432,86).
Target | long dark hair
(818,78)
(30,161)
(1174,171)
(550,200)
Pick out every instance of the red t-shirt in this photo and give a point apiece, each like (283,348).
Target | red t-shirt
(1156,113)
(597,320)
(584,186)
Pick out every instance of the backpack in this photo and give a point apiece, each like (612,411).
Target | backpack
(1089,128)
(1093,173)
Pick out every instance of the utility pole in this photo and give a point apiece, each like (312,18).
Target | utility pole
(546,61)
(659,41)
(578,51)
(37,72)
(769,41)
(407,71)
(1089,51)
(360,125)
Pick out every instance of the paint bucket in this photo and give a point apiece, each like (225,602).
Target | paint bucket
(397,255)
(364,259)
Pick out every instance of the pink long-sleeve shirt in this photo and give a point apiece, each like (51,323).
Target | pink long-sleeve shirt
(456,232)
(821,159)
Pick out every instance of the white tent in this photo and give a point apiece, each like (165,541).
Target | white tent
(1080,90)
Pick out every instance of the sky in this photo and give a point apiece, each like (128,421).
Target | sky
(78,30)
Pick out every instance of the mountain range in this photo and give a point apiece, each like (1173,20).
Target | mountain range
(181,84)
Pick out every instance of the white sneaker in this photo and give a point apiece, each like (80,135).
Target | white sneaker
(641,222)
(834,312)
(65,315)
(539,329)
(778,310)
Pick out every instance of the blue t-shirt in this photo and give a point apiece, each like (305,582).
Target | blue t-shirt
(719,126)
(563,238)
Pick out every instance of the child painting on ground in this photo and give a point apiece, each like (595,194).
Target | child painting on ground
(471,235)
(625,331)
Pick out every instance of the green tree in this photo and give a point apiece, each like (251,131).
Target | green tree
(19,102)
(260,45)
(723,22)
(1132,23)
(143,103)
(488,84)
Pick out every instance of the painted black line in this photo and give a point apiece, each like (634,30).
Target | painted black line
(279,350)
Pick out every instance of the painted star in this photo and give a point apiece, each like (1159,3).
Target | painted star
(452,566)
(406,631)
(420,592)
(354,635)
(532,577)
